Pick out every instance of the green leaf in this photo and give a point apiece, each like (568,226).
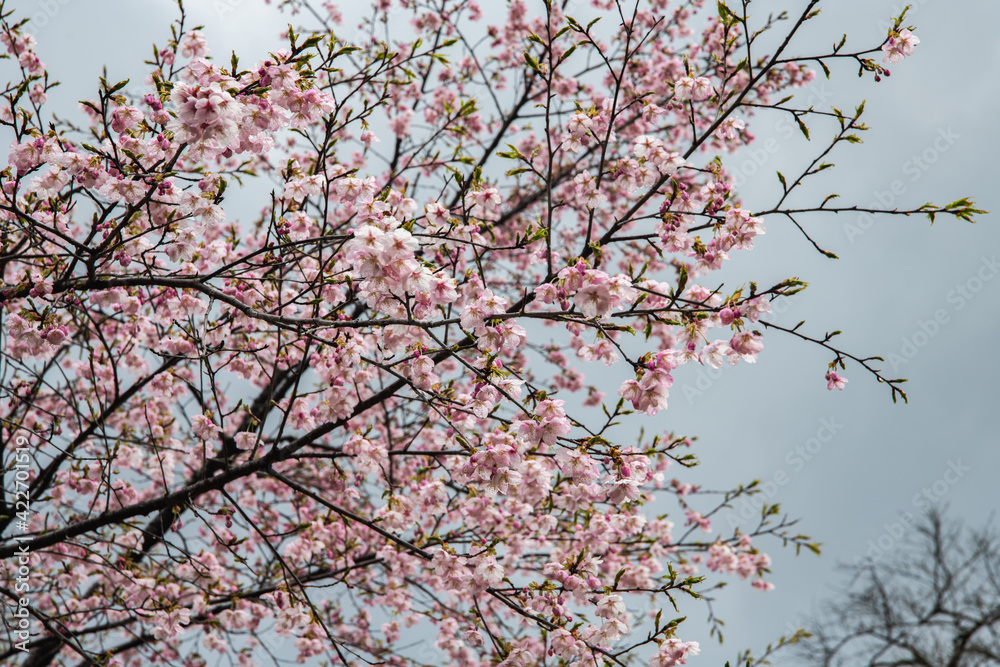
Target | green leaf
(311,42)
(899,19)
(347,50)
(532,63)
(726,14)
(682,281)
(802,126)
(512,154)
(90,105)
(468,108)
(118,86)
(567,53)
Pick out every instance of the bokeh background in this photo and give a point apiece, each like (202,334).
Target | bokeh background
(927,298)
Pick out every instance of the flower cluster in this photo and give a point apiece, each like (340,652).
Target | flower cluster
(899,45)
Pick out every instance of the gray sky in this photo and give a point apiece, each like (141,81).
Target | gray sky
(894,278)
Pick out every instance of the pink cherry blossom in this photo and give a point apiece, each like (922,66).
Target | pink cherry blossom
(268,377)
(899,45)
(204,428)
(693,88)
(674,652)
(834,381)
(748,345)
(593,300)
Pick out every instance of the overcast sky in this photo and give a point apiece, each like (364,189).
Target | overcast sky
(927,295)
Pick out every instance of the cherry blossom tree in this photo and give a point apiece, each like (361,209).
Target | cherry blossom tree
(376,409)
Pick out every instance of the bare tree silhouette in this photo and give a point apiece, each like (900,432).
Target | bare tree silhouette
(933,601)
